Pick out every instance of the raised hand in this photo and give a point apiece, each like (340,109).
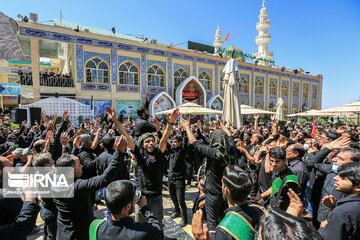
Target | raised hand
(111,113)
(282,142)
(329,202)
(199,230)
(198,124)
(184,122)
(147,96)
(174,115)
(341,129)
(339,143)
(77,142)
(241,146)
(64,139)
(295,207)
(53,116)
(23,123)
(50,136)
(43,114)
(273,117)
(121,145)
(256,116)
(66,115)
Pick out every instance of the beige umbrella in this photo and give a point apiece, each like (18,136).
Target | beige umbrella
(351,107)
(312,113)
(245,109)
(232,112)
(191,109)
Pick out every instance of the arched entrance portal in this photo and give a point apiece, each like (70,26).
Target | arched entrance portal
(161,102)
(190,90)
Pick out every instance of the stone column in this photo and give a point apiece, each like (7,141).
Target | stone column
(35,67)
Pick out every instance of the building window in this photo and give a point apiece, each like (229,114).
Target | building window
(296,91)
(314,92)
(284,90)
(244,85)
(295,108)
(221,82)
(272,89)
(313,106)
(97,71)
(155,76)
(128,74)
(259,105)
(259,89)
(180,75)
(205,80)
(305,91)
(285,109)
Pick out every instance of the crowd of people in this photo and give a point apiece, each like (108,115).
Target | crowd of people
(277,180)
(50,79)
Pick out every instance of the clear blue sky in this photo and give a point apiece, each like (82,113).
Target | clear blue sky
(320,36)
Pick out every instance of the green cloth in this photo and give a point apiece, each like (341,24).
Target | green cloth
(220,141)
(275,187)
(93,228)
(237,226)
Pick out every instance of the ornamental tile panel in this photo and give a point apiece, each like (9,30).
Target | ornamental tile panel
(143,78)
(122,59)
(156,90)
(114,67)
(162,64)
(217,81)
(88,55)
(169,72)
(121,88)
(95,87)
(79,63)
(186,67)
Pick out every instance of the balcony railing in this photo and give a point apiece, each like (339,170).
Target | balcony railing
(56,82)
(48,81)
(26,80)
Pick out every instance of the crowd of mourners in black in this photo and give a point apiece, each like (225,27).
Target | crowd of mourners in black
(47,79)
(270,181)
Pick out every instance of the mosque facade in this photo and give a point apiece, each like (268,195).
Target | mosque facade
(119,70)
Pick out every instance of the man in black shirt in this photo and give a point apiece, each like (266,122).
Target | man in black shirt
(150,160)
(18,217)
(294,154)
(344,219)
(120,199)
(283,179)
(75,214)
(241,220)
(177,172)
(219,154)
(142,124)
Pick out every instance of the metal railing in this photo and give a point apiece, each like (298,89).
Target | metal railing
(56,82)
(26,80)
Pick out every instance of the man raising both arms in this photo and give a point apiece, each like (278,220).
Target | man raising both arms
(150,159)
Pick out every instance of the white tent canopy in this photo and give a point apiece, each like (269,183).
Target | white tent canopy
(351,107)
(191,109)
(59,105)
(312,113)
(245,110)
